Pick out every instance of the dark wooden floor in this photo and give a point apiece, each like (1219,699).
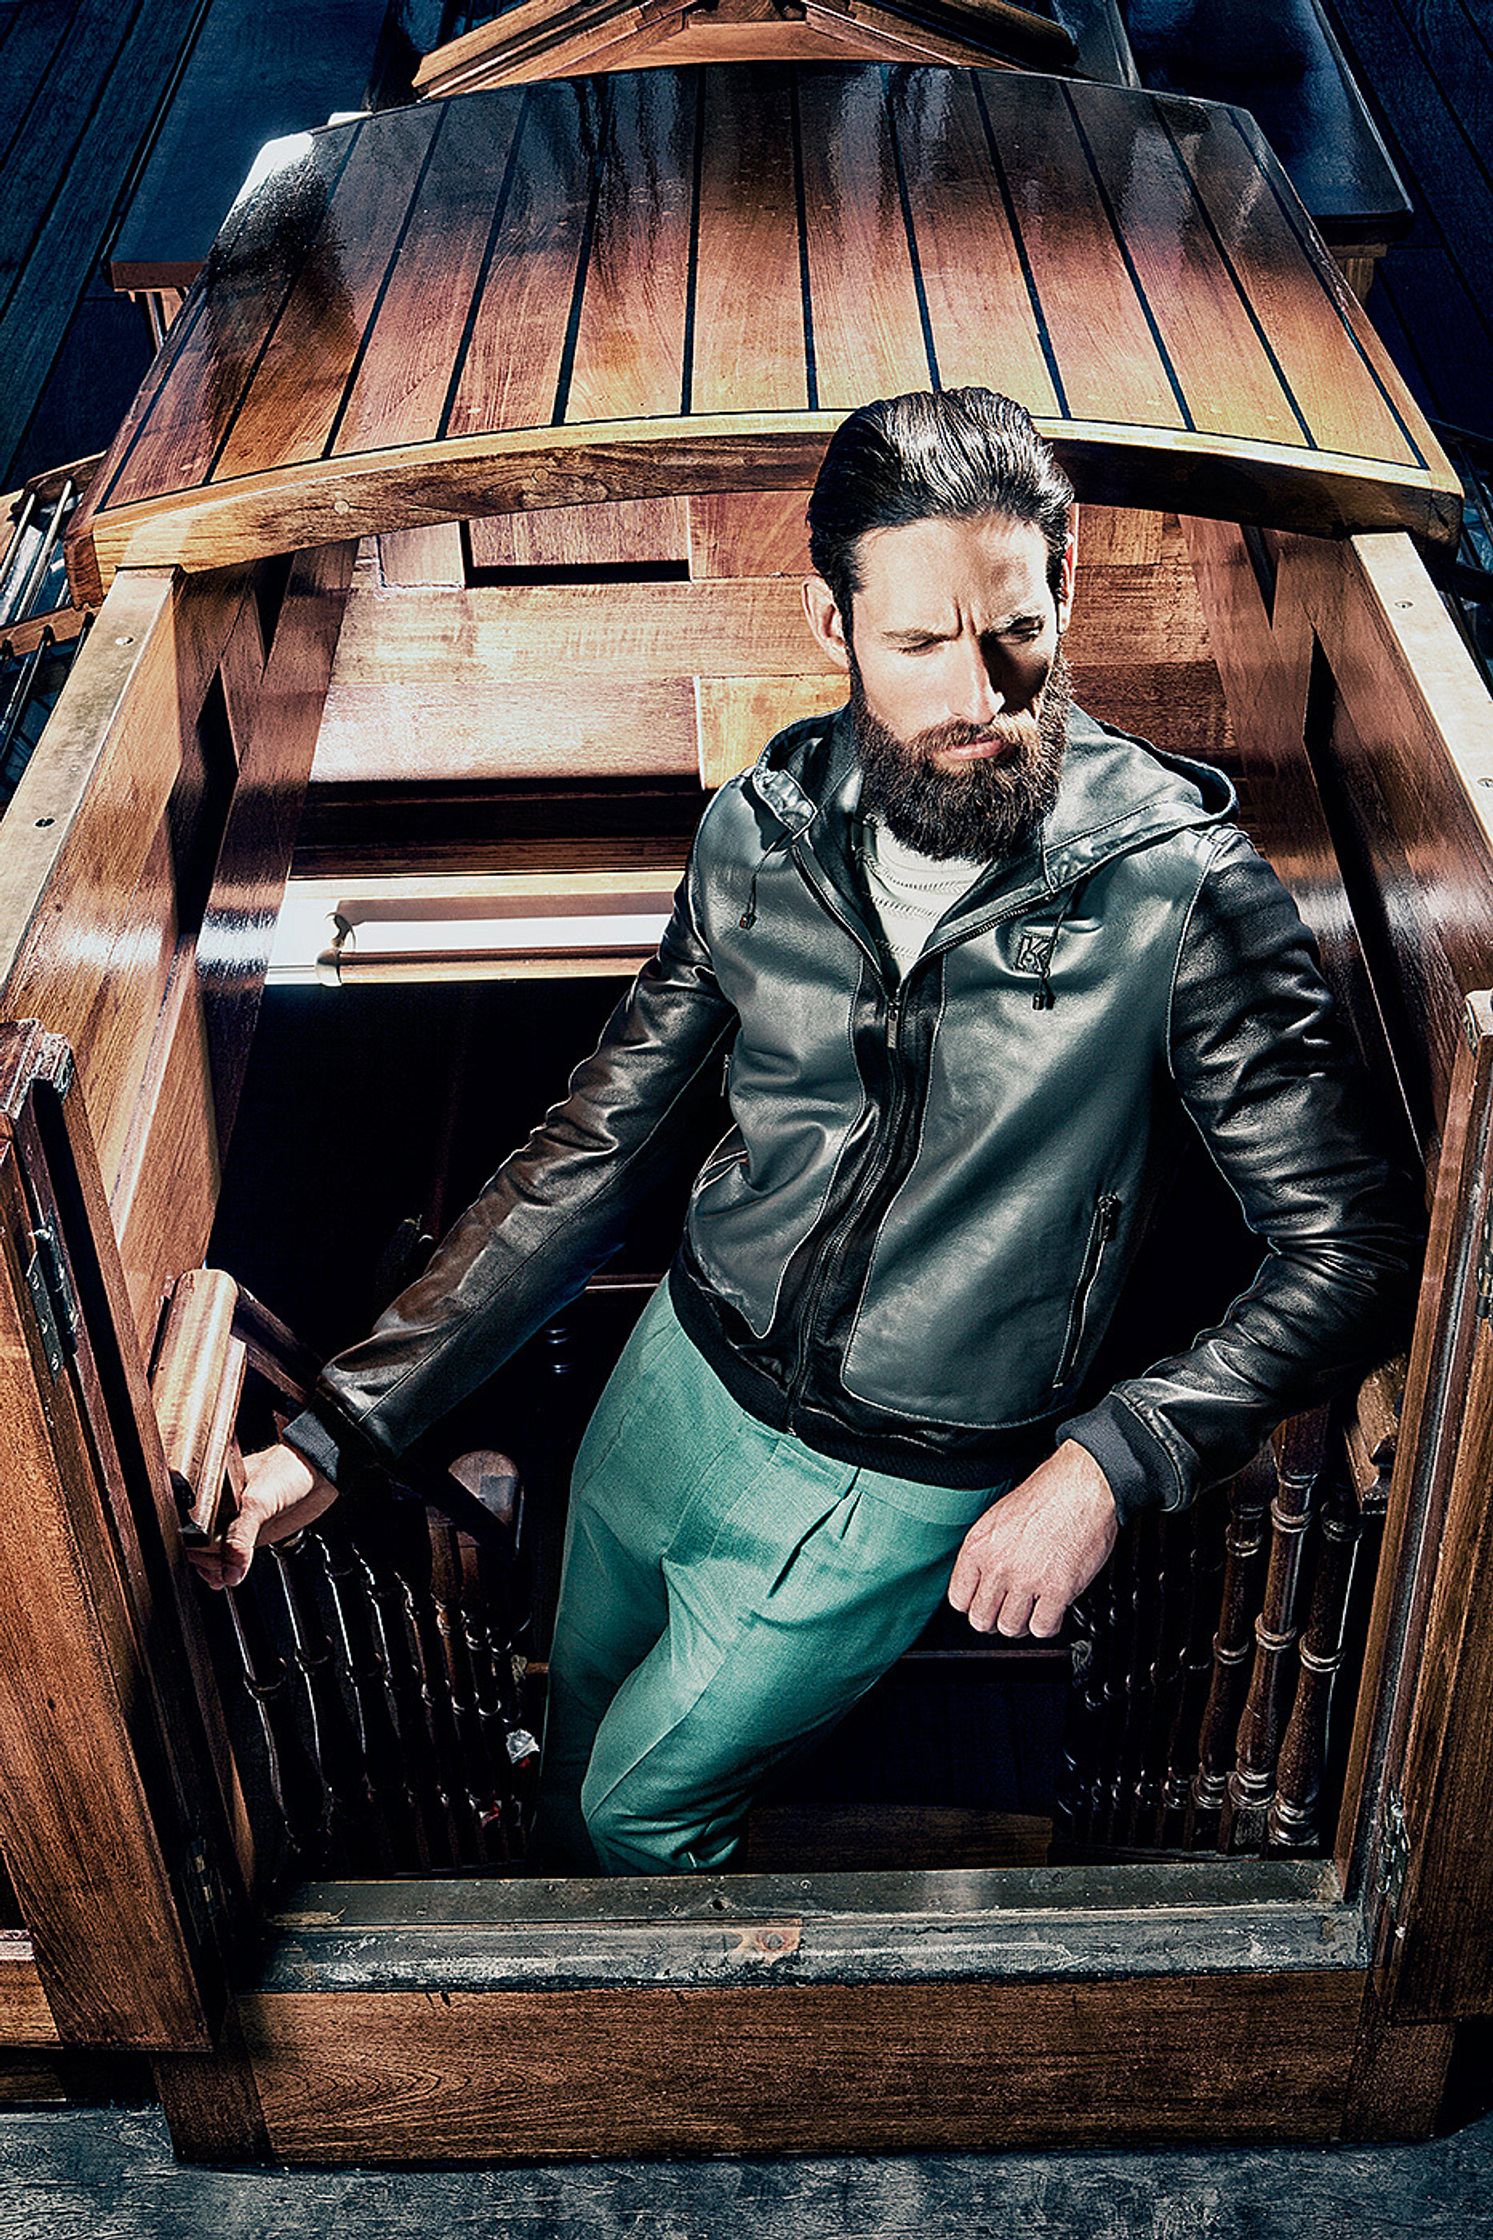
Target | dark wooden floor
(81,85)
(1427,68)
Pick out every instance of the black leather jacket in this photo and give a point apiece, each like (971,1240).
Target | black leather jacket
(908,1245)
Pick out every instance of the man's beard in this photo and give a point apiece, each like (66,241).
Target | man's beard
(991,806)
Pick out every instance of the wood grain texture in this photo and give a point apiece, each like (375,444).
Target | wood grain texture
(505,300)
(850,2068)
(80,1837)
(539,40)
(650,529)
(25,2016)
(1436,1953)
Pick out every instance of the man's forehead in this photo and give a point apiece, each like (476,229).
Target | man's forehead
(992,559)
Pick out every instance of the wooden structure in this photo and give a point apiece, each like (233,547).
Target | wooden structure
(541,40)
(602,330)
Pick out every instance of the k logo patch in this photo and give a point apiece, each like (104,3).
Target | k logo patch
(1032,948)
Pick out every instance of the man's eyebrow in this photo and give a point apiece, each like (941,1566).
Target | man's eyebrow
(928,630)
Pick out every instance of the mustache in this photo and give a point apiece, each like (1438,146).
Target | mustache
(1020,731)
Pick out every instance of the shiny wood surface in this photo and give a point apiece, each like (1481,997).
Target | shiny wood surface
(549,39)
(677,281)
(840,2068)
(508,681)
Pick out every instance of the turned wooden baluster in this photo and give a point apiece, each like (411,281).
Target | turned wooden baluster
(1177,1577)
(1233,1646)
(1209,1515)
(1300,1447)
(1355,1493)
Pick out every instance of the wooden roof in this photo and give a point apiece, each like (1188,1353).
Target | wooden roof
(681,280)
(557,38)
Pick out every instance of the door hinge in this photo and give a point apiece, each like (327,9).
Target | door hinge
(53,1297)
(1394,1854)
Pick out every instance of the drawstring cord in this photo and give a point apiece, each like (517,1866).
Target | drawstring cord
(1043,998)
(748,917)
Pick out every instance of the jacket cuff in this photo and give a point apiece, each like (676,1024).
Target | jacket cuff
(1133,1459)
(330,1445)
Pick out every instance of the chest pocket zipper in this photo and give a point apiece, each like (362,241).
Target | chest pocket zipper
(1101,1229)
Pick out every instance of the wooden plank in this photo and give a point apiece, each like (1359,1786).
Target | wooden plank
(186,409)
(630,345)
(1341,404)
(109,1945)
(56,125)
(34,36)
(1436,1943)
(867,327)
(980,308)
(290,407)
(738,715)
(434,734)
(649,529)
(587,633)
(510,367)
(1221,367)
(749,533)
(399,390)
(1108,365)
(87,890)
(1429,135)
(25,2016)
(433,555)
(749,341)
(836,2068)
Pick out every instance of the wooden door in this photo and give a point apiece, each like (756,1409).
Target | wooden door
(142,858)
(120,1820)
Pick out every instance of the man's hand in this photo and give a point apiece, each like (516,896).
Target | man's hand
(1037,1547)
(282,1493)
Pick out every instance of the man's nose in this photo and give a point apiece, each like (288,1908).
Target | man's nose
(979,698)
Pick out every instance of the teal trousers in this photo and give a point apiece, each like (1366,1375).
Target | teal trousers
(726,1595)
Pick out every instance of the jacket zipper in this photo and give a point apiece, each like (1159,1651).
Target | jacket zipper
(864,1191)
(871,1184)
(1101,1229)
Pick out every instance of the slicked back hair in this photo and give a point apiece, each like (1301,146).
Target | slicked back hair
(946,454)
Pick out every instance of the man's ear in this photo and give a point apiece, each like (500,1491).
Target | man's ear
(1069,573)
(823,618)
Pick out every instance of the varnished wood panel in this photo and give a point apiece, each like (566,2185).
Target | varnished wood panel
(650,529)
(838,2068)
(670,281)
(538,40)
(508,372)
(25,2016)
(751,533)
(86,910)
(74,1709)
(441,734)
(749,346)
(634,307)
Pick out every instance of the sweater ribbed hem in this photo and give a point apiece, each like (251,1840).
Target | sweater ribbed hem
(1005,1454)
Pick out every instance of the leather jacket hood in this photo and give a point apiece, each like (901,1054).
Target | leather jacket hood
(908,1245)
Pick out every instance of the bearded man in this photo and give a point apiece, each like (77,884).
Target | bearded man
(975,961)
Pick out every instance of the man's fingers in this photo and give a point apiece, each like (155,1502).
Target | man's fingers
(964,1581)
(1014,1612)
(1047,1618)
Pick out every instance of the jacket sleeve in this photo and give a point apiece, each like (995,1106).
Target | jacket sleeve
(550,1215)
(1287,1113)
